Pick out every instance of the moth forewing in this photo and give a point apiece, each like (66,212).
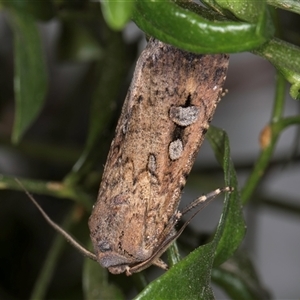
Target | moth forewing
(171,100)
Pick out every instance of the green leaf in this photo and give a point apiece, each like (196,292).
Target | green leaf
(234,228)
(194,28)
(195,269)
(30,78)
(289,5)
(239,279)
(247,10)
(286,58)
(95,283)
(117,13)
(193,282)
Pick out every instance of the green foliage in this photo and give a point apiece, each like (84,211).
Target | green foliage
(232,218)
(89,35)
(117,13)
(197,29)
(30,82)
(247,10)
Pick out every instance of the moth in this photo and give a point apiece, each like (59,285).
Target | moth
(166,113)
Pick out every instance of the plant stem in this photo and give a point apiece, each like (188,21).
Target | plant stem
(140,281)
(267,151)
(51,188)
(44,278)
(287,206)
(286,122)
(173,254)
(44,151)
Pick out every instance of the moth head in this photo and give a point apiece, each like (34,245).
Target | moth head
(109,258)
(117,234)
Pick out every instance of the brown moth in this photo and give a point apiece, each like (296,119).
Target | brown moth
(167,111)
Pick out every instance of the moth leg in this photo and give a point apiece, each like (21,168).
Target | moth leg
(205,199)
(160,263)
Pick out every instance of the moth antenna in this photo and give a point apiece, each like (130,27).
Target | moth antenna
(60,230)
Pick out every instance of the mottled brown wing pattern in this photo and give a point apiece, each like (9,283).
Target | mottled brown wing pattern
(166,113)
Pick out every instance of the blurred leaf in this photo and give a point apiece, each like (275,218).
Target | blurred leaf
(117,13)
(76,43)
(95,283)
(110,73)
(195,269)
(234,228)
(239,279)
(30,79)
(41,10)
